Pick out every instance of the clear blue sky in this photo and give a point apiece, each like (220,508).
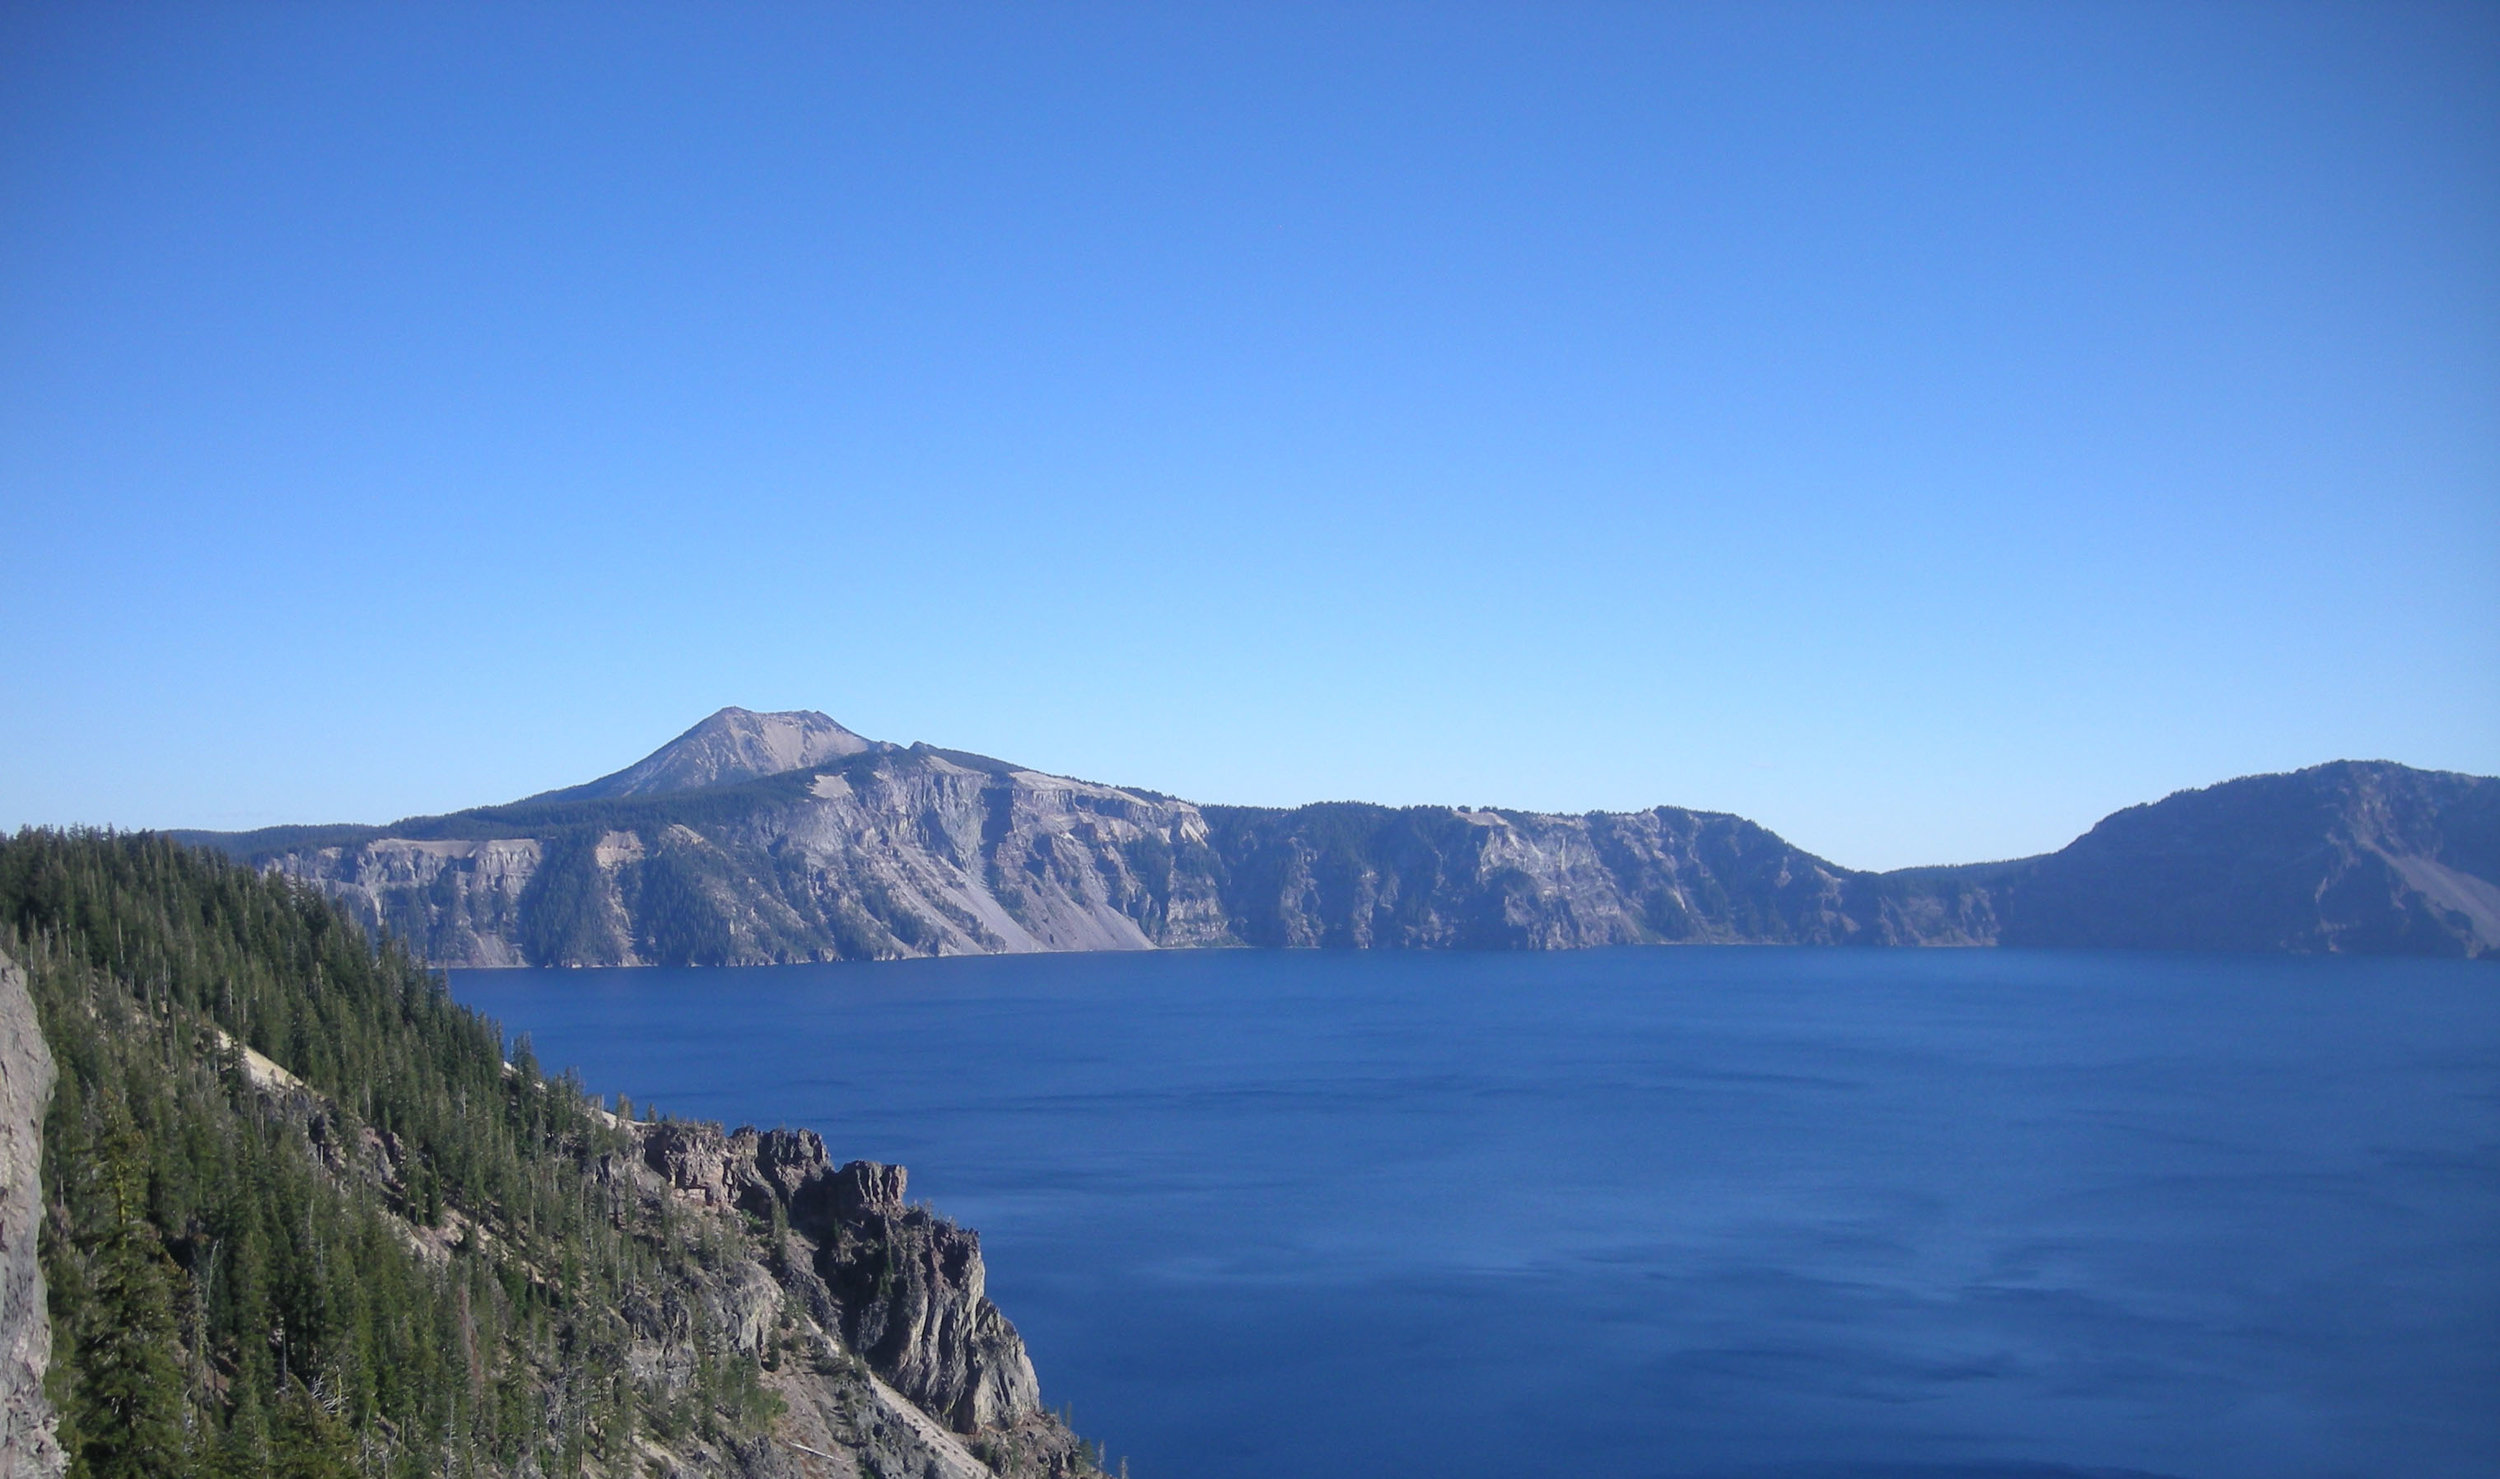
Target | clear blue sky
(1920,428)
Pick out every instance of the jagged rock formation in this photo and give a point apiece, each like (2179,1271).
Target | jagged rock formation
(903,1287)
(27,1447)
(871,1314)
(883,851)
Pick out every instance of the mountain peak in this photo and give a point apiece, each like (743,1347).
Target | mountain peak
(732,745)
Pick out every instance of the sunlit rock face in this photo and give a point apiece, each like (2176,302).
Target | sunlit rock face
(905,1287)
(914,1301)
(451,900)
(853,849)
(919,852)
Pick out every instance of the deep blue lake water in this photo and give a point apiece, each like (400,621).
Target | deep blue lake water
(1663,1212)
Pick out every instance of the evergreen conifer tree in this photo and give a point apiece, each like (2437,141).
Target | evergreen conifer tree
(129,1390)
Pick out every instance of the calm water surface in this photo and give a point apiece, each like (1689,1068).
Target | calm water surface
(1663,1212)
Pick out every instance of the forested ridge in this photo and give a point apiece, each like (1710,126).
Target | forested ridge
(399,1268)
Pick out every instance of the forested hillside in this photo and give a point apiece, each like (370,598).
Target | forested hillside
(302,1219)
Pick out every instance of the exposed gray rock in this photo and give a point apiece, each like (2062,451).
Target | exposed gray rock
(733,745)
(914,1302)
(456,900)
(905,1287)
(923,852)
(884,852)
(27,1447)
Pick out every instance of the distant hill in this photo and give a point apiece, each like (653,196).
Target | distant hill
(2357,857)
(757,838)
(733,745)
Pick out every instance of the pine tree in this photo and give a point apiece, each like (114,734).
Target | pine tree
(310,1442)
(129,1393)
(243,1452)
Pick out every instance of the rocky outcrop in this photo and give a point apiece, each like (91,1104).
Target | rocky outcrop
(904,1287)
(613,1297)
(883,852)
(870,1316)
(27,1447)
(912,1294)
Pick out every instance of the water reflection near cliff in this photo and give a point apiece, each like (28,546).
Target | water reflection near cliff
(1787,1214)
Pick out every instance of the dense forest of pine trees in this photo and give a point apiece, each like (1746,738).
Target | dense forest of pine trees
(402,1271)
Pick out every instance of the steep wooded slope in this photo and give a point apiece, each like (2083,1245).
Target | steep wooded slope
(302,1219)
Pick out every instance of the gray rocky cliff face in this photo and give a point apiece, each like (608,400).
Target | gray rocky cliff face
(922,852)
(450,900)
(27,1446)
(884,852)
(914,1302)
(1350,875)
(904,1287)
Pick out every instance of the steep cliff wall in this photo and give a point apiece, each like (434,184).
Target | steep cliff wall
(924,852)
(450,900)
(1352,875)
(890,852)
(899,1285)
(872,1315)
(27,1448)
(869,1316)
